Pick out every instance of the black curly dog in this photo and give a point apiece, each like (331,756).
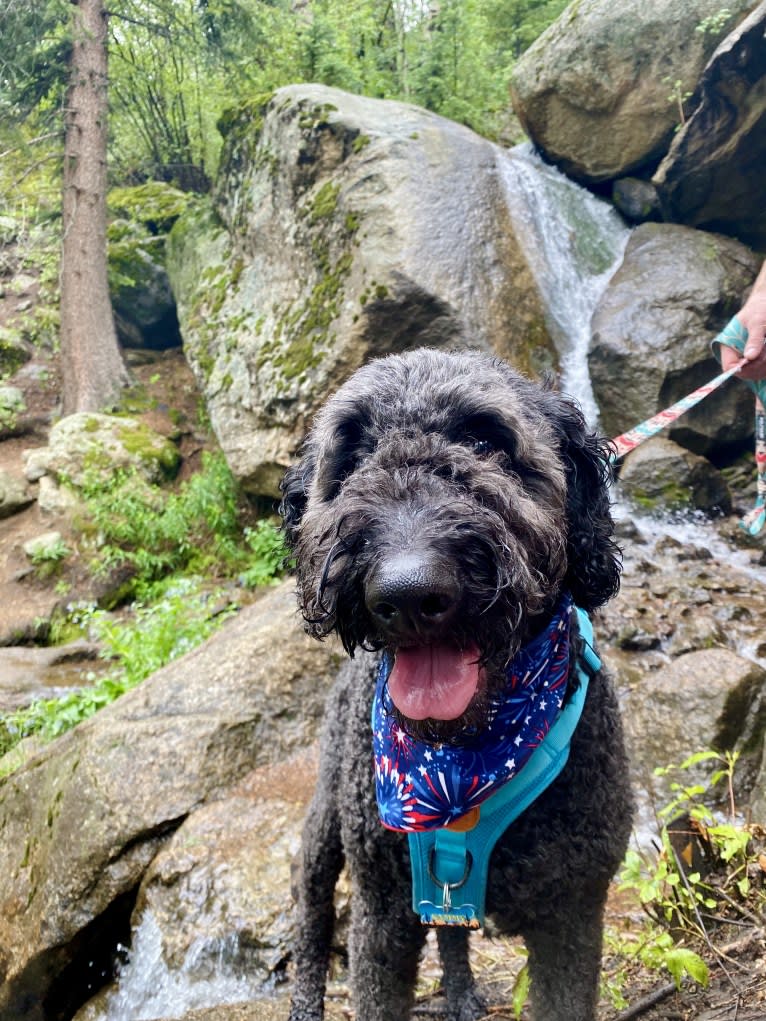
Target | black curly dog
(445,499)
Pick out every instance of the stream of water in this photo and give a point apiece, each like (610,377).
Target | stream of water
(573,243)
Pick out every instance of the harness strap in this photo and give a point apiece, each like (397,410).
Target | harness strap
(450,865)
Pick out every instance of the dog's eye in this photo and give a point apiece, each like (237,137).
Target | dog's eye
(483,447)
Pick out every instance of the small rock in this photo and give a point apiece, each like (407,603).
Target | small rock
(35,463)
(636,199)
(47,546)
(14,494)
(55,500)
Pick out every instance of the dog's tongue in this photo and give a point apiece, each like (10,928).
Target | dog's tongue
(436,681)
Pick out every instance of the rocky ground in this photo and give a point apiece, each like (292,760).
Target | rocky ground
(689,589)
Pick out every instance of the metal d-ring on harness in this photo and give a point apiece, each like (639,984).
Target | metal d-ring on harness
(450,865)
(448,887)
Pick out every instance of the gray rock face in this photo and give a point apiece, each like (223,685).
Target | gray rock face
(346,228)
(213,920)
(661,475)
(85,816)
(650,345)
(713,175)
(703,699)
(598,91)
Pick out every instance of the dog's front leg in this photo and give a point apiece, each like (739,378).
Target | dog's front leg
(463,1001)
(564,965)
(321,864)
(384,946)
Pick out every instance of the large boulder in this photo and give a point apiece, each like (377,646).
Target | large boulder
(344,228)
(83,819)
(214,919)
(142,299)
(707,699)
(651,332)
(660,475)
(599,91)
(713,175)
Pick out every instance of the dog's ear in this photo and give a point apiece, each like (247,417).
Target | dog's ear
(594,559)
(294,488)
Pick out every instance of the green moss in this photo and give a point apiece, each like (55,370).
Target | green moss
(351,223)
(247,117)
(325,202)
(360,142)
(155,204)
(91,425)
(142,443)
(671,496)
(314,116)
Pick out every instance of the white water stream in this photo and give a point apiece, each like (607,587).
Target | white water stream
(573,243)
(148,988)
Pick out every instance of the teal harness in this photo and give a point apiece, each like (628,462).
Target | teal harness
(450,866)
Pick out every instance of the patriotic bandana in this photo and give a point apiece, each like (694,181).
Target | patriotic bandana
(420,786)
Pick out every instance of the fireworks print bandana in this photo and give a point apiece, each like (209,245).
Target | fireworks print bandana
(420,786)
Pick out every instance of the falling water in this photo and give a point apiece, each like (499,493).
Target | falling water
(573,242)
(148,988)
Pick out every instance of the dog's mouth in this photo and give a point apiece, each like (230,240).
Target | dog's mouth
(436,682)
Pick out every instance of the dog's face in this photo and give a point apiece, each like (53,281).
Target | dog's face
(442,504)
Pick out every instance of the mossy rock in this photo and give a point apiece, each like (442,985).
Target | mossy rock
(155,204)
(14,352)
(87,448)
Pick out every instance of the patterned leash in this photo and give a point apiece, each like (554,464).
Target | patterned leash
(630,440)
(735,336)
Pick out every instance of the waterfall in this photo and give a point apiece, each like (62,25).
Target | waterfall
(573,242)
(149,988)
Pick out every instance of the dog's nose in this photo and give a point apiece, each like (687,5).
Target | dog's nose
(410,595)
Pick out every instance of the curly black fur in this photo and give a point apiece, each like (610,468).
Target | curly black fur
(494,488)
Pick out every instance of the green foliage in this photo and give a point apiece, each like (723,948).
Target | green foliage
(269,555)
(175,68)
(160,532)
(183,617)
(48,557)
(194,529)
(715,23)
(520,992)
(671,889)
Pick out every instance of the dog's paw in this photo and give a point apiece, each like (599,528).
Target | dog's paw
(470,1007)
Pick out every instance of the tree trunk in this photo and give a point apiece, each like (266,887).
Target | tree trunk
(93,371)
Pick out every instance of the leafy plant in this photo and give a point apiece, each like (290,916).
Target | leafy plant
(268,557)
(714,24)
(183,617)
(678,96)
(677,898)
(159,532)
(48,557)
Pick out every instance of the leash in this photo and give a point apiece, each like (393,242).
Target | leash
(629,440)
(734,335)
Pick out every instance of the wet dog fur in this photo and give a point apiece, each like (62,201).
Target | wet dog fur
(457,469)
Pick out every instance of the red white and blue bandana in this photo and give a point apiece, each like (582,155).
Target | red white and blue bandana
(420,786)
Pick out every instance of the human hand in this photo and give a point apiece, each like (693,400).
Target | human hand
(753,317)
